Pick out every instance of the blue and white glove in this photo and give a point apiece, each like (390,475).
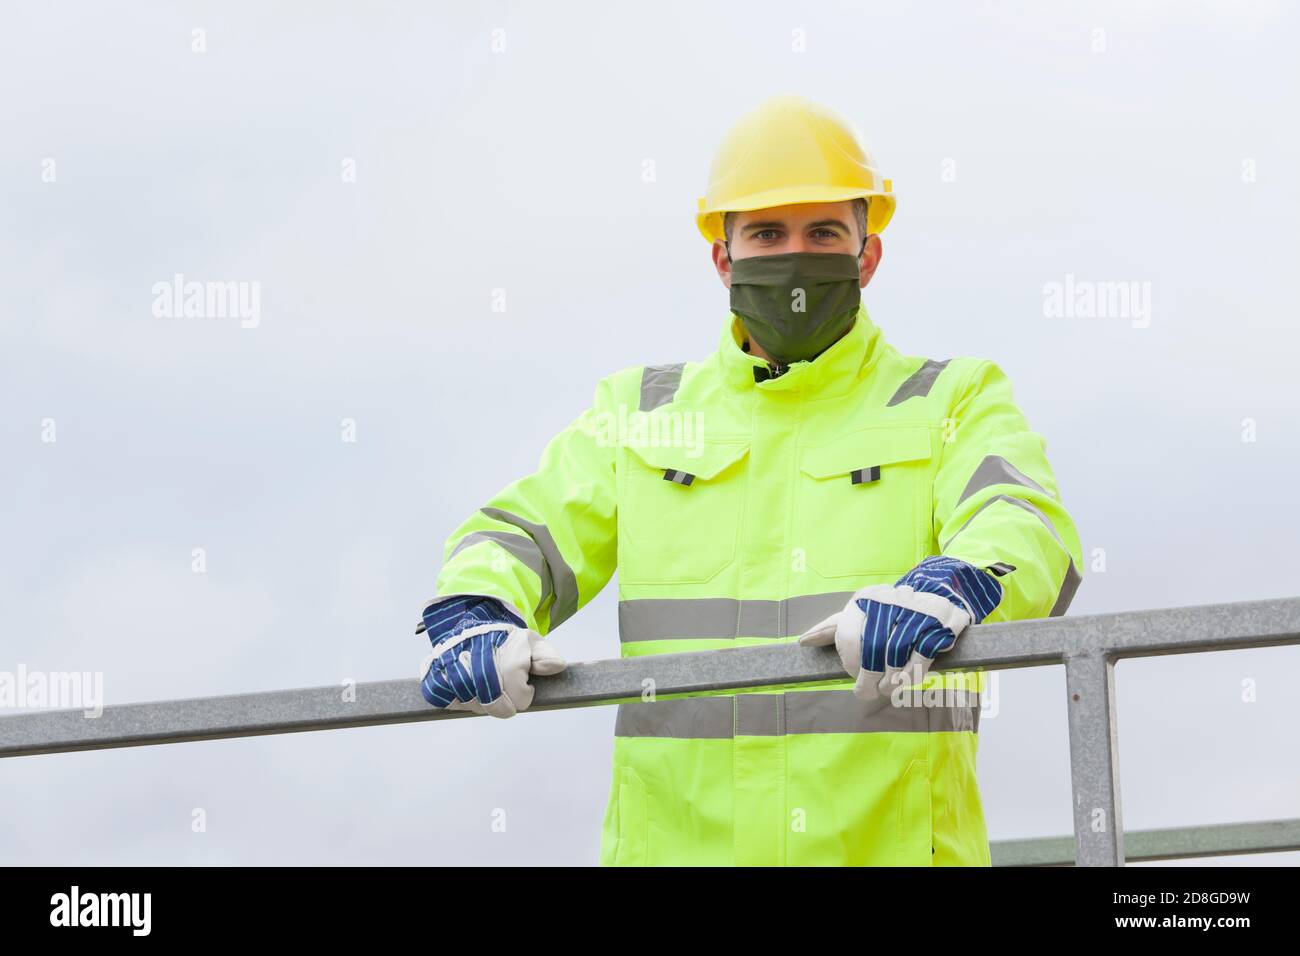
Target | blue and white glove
(888,635)
(482,656)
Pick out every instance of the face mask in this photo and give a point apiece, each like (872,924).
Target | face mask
(797,304)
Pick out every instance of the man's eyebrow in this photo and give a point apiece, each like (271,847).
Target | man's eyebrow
(780,224)
(821,223)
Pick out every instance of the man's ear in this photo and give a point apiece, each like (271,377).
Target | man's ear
(722,261)
(870,259)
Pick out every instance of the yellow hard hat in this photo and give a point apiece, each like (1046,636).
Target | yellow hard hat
(792,150)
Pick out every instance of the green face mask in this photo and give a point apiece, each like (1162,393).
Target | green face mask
(797,304)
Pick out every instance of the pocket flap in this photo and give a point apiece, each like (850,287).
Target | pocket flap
(705,461)
(865,449)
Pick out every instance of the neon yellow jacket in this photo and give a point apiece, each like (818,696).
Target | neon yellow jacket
(739,512)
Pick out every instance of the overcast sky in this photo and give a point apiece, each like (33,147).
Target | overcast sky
(379,169)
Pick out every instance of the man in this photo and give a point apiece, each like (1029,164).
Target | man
(824,488)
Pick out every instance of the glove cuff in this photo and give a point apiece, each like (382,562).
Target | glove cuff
(443,613)
(976,590)
(932,605)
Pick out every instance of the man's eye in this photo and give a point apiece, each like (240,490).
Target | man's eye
(829,233)
(765,232)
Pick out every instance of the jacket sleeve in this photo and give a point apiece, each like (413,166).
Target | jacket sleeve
(996,503)
(546,544)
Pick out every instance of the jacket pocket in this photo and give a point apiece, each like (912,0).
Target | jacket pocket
(915,845)
(679,512)
(863,501)
(633,828)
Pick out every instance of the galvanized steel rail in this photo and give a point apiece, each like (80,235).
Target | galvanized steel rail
(1168,843)
(1088,646)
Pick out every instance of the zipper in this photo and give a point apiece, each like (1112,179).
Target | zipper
(773,370)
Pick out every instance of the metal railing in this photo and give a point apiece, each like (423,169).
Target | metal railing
(1088,646)
(1172,843)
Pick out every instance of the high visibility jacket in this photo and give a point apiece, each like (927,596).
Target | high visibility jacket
(739,512)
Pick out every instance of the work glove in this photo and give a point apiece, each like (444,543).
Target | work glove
(887,635)
(482,656)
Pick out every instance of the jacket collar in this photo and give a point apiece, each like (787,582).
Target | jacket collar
(834,371)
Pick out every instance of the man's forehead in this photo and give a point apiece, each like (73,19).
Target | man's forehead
(798,213)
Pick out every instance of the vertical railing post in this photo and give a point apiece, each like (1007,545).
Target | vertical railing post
(1094,760)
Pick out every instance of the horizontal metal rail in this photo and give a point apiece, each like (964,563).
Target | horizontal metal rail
(1169,843)
(987,646)
(1088,646)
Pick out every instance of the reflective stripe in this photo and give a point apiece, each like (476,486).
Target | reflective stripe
(759,715)
(996,470)
(1072,575)
(691,718)
(563,581)
(919,382)
(1068,587)
(523,548)
(659,383)
(657,619)
(681,477)
(797,712)
(839,712)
